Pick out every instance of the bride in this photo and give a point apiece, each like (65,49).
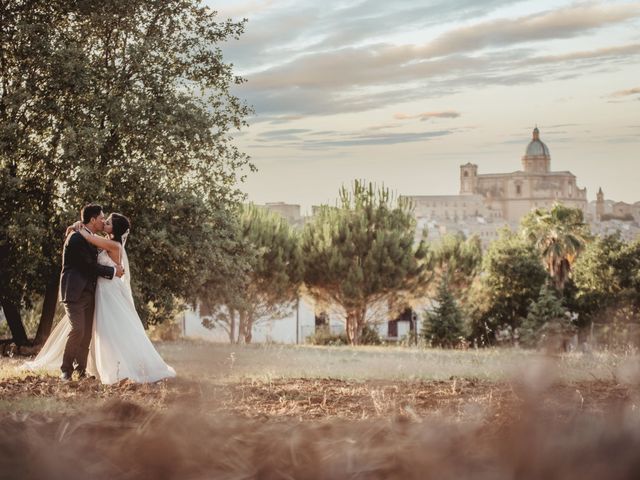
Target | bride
(120,348)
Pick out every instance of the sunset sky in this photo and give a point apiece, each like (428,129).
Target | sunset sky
(403,92)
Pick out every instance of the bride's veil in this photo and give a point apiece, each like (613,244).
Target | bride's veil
(126,278)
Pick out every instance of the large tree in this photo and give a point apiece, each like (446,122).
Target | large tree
(606,278)
(127,103)
(269,284)
(560,234)
(362,253)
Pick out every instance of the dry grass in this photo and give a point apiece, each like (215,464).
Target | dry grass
(208,361)
(122,440)
(308,412)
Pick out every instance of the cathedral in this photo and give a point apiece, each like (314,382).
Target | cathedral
(506,197)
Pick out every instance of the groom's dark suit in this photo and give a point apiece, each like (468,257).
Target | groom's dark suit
(80,271)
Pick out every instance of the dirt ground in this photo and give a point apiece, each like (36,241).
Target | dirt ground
(319,429)
(228,416)
(314,399)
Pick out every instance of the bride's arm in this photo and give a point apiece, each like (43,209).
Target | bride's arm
(100,242)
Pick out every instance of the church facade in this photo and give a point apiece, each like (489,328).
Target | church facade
(506,197)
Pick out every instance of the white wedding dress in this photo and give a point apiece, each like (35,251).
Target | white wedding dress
(120,348)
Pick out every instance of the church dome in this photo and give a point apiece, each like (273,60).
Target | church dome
(536,146)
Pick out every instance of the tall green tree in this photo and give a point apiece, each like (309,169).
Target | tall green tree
(444,325)
(34,85)
(607,281)
(559,234)
(127,103)
(597,276)
(271,282)
(511,278)
(361,253)
(546,315)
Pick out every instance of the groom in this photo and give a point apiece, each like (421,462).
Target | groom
(80,271)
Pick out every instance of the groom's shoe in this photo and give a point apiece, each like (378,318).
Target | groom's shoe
(83,376)
(65,376)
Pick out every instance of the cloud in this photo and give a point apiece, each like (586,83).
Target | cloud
(427,115)
(620,51)
(288,29)
(353,140)
(284,132)
(242,9)
(561,23)
(626,93)
(306,139)
(355,78)
(385,126)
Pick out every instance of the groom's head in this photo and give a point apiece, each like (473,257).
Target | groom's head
(93,217)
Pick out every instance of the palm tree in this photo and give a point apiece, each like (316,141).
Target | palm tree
(560,234)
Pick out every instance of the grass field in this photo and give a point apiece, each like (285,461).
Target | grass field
(317,412)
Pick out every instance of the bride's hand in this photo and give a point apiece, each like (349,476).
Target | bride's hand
(73,228)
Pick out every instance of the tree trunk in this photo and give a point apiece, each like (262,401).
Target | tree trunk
(12,314)
(352,328)
(48,309)
(232,325)
(245,327)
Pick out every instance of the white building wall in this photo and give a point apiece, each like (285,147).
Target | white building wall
(281,330)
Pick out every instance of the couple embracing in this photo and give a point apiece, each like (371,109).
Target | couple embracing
(101,334)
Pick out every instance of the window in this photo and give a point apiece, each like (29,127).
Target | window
(322,321)
(466,174)
(518,190)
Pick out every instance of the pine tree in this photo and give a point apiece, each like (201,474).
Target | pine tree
(444,327)
(547,316)
(362,254)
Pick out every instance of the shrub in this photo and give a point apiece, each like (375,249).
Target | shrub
(443,327)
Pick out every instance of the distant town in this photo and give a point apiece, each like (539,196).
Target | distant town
(487,202)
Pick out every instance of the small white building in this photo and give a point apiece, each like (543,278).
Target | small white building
(302,322)
(293,328)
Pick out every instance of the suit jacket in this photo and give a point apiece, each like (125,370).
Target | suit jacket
(80,268)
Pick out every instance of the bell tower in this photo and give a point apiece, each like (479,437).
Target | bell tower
(468,179)
(599,204)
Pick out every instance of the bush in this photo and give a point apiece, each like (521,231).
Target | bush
(370,336)
(166,331)
(323,336)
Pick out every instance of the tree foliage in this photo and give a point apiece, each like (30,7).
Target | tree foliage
(444,325)
(511,278)
(361,253)
(459,259)
(126,103)
(547,316)
(607,285)
(559,234)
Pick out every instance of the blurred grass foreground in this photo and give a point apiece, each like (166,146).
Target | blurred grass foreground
(268,411)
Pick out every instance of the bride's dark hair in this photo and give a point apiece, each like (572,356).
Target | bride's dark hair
(121,225)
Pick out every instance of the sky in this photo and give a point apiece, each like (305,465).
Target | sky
(404,92)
